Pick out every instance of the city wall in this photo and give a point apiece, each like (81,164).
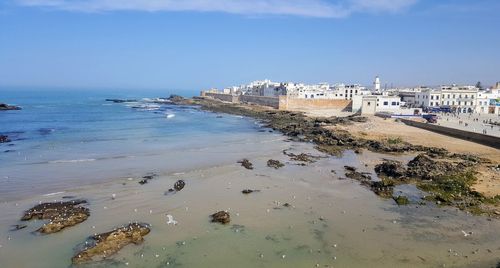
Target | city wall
(487,140)
(265,101)
(221,96)
(283,102)
(287,103)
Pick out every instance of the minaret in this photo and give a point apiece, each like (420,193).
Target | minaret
(376,84)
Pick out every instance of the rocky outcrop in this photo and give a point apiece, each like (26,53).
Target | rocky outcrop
(391,169)
(426,168)
(4,139)
(221,217)
(6,107)
(101,246)
(60,215)
(275,164)
(246,163)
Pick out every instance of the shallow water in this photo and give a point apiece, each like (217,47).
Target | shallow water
(333,222)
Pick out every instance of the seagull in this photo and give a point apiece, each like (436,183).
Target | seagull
(171,220)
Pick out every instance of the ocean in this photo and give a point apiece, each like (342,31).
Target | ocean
(64,139)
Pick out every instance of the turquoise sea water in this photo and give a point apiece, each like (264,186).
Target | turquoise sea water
(63,139)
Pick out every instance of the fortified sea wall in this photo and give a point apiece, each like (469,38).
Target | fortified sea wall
(283,102)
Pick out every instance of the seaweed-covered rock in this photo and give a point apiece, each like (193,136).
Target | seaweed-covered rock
(391,169)
(355,175)
(59,214)
(221,217)
(302,157)
(383,188)
(101,246)
(246,163)
(274,163)
(424,167)
(401,200)
(4,139)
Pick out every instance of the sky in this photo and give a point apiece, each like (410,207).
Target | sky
(199,44)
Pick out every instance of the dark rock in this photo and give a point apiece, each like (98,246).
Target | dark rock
(59,214)
(353,174)
(120,100)
(4,139)
(248,191)
(246,163)
(6,107)
(179,185)
(349,168)
(391,169)
(286,205)
(274,164)
(18,227)
(221,217)
(146,179)
(106,244)
(176,98)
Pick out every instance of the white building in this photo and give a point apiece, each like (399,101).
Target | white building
(428,98)
(376,84)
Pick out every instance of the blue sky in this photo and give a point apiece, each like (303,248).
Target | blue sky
(196,44)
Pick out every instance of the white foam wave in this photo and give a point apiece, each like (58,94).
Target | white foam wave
(72,161)
(170,115)
(52,194)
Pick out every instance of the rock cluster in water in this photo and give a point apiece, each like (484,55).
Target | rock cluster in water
(4,139)
(59,214)
(104,245)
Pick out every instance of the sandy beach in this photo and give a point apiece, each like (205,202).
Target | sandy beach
(382,129)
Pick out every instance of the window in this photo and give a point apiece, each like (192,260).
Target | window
(459,102)
(432,103)
(432,97)
(393,103)
(448,103)
(437,97)
(472,96)
(453,95)
(369,104)
(448,96)
(386,103)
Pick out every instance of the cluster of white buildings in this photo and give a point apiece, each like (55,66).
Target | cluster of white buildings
(454,98)
(461,99)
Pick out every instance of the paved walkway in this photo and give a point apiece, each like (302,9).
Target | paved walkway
(478,123)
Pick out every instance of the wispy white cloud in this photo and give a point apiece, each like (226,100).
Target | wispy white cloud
(305,8)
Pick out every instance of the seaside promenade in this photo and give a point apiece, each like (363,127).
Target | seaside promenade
(477,123)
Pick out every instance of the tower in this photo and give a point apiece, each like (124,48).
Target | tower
(376,84)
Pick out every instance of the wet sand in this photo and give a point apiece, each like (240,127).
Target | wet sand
(332,222)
